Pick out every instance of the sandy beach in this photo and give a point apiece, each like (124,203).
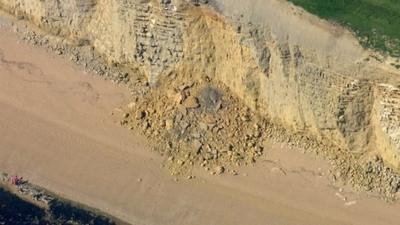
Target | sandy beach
(57,131)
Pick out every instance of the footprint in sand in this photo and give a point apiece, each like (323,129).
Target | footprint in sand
(86,92)
(32,73)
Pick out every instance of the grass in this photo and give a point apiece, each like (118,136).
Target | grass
(376,22)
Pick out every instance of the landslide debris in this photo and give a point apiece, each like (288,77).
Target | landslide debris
(201,124)
(196,123)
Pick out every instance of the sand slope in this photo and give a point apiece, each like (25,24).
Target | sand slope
(56,130)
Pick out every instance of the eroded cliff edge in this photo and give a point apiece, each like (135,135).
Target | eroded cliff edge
(305,74)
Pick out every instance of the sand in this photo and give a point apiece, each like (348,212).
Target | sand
(56,129)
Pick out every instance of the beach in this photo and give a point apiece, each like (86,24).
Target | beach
(59,129)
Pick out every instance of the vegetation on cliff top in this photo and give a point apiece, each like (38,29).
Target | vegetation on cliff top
(376,22)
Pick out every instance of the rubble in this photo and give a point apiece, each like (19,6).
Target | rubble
(219,170)
(190,131)
(223,133)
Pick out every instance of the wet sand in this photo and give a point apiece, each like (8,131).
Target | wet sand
(56,129)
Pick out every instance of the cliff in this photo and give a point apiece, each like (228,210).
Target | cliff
(308,75)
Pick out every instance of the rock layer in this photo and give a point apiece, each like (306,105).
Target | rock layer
(303,73)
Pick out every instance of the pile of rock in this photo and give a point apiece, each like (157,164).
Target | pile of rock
(80,53)
(34,193)
(197,123)
(371,176)
(201,123)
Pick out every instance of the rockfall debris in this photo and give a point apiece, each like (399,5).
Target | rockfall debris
(196,123)
(199,123)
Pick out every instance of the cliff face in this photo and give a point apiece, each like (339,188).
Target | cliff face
(303,73)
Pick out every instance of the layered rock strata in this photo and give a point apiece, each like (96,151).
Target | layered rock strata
(305,74)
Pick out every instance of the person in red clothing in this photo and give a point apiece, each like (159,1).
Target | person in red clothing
(15,180)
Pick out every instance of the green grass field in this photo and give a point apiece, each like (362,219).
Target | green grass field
(376,22)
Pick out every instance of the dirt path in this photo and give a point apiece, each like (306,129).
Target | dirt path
(56,130)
